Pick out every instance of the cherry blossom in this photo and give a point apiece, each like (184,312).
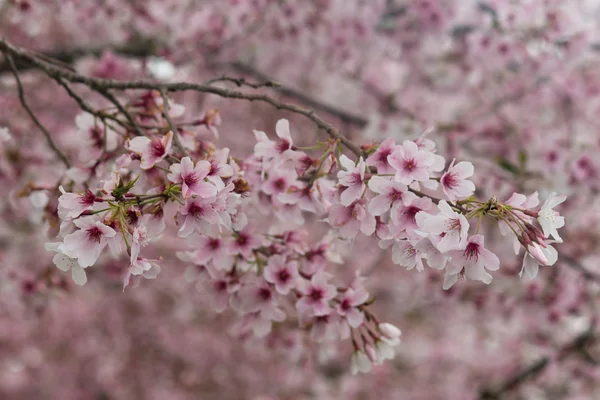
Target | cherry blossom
(410,163)
(281,273)
(315,295)
(87,243)
(454,181)
(192,177)
(473,261)
(549,219)
(151,151)
(353,179)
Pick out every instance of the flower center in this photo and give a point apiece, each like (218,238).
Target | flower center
(191,179)
(410,164)
(316,294)
(196,211)
(156,148)
(449,180)
(471,251)
(284,275)
(94,234)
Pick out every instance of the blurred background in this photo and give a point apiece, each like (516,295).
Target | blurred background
(511,85)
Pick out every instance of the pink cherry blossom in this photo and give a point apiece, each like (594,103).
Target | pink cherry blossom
(192,178)
(283,274)
(390,195)
(353,179)
(315,295)
(453,226)
(151,151)
(379,159)
(211,249)
(454,181)
(72,205)
(87,243)
(352,219)
(348,306)
(198,215)
(410,163)
(473,261)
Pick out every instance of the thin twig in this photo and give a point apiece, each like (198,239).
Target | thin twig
(578,344)
(243,82)
(42,128)
(109,96)
(103,85)
(172,126)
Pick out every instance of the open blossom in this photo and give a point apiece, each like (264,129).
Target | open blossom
(451,225)
(72,205)
(198,215)
(404,215)
(283,274)
(219,168)
(549,219)
(268,149)
(151,151)
(148,269)
(66,263)
(537,255)
(353,178)
(94,132)
(473,261)
(406,254)
(315,295)
(352,219)
(390,195)
(211,249)
(87,243)
(410,163)
(348,306)
(278,181)
(454,181)
(379,159)
(192,178)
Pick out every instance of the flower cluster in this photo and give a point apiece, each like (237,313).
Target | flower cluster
(403,195)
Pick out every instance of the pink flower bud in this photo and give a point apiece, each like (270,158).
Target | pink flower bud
(371,353)
(536,252)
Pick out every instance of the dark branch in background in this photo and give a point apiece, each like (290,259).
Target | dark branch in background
(147,48)
(576,265)
(577,345)
(103,85)
(49,139)
(309,101)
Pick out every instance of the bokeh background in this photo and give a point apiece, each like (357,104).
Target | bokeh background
(510,85)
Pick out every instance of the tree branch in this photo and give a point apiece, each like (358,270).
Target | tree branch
(579,343)
(103,85)
(42,128)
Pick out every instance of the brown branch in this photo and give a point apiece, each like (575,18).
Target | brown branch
(578,344)
(243,82)
(103,85)
(576,265)
(42,128)
(172,126)
(345,116)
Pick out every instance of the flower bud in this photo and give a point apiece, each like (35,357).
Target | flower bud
(389,331)
(536,252)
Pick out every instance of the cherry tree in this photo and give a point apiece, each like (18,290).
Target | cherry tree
(285,199)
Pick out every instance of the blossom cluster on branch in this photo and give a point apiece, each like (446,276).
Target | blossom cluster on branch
(269,277)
